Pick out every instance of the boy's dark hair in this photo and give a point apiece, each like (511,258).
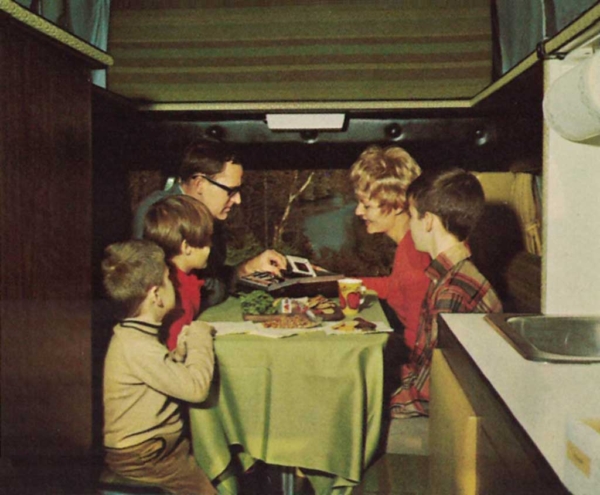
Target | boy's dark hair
(130,269)
(174,219)
(455,196)
(205,158)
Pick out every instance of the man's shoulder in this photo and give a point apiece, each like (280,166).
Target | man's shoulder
(146,203)
(157,195)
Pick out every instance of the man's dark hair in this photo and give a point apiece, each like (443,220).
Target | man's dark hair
(205,157)
(455,196)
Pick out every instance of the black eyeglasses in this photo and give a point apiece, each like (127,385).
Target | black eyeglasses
(231,191)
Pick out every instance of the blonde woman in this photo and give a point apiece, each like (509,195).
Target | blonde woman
(380,178)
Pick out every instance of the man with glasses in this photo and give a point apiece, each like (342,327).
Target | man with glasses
(212,174)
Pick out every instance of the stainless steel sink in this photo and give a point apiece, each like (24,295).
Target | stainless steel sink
(569,339)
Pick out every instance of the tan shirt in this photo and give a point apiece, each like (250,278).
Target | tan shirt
(141,382)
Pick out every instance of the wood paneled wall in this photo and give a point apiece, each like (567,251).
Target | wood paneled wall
(45,245)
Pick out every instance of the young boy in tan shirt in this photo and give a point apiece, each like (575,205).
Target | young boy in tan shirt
(143,381)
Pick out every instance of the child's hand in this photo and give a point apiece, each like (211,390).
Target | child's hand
(180,352)
(198,334)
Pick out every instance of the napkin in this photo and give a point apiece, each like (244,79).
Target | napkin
(251,328)
(381,328)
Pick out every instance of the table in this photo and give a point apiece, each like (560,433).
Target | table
(310,401)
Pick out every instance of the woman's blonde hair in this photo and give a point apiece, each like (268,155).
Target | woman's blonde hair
(384,174)
(174,219)
(130,269)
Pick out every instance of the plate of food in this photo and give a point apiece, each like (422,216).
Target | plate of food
(288,321)
(325,308)
(358,324)
(281,313)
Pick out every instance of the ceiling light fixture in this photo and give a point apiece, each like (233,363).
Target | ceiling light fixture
(306,121)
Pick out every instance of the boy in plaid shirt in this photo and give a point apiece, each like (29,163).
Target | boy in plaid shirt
(444,207)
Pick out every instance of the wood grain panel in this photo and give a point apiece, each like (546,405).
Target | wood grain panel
(45,242)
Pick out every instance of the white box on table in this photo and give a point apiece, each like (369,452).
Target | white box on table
(582,468)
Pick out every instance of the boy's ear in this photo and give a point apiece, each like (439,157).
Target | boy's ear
(429,219)
(155,295)
(185,247)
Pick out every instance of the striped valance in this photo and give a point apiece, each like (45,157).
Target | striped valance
(307,50)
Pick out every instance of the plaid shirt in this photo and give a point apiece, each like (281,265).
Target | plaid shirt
(456,287)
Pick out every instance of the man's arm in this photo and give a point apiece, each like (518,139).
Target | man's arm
(215,290)
(268,261)
(220,278)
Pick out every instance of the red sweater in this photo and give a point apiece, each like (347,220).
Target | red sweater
(187,308)
(404,289)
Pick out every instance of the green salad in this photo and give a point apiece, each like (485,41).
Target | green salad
(257,302)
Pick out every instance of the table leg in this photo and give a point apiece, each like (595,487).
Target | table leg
(287,480)
(228,484)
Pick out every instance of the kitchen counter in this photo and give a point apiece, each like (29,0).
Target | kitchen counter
(542,397)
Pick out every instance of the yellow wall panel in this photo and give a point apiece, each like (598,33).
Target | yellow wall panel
(454,429)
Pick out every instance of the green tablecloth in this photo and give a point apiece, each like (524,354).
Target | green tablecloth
(310,401)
